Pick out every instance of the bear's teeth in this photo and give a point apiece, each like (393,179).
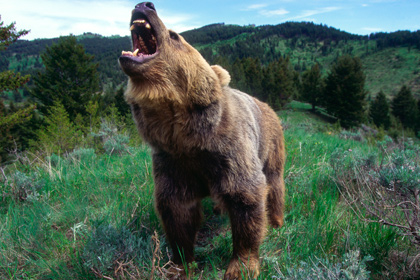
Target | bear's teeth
(139,21)
(132,27)
(136,52)
(148,26)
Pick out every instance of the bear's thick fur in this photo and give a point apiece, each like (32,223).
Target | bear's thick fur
(207,139)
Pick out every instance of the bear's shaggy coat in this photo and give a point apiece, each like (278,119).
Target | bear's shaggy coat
(207,139)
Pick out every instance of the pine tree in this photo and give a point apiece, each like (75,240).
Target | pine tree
(345,95)
(60,135)
(238,76)
(404,107)
(70,77)
(379,111)
(253,76)
(9,34)
(10,80)
(418,119)
(120,103)
(278,83)
(312,86)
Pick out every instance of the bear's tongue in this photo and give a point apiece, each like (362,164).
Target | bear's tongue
(144,40)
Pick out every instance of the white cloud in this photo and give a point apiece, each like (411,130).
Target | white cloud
(309,13)
(279,12)
(54,18)
(177,22)
(255,7)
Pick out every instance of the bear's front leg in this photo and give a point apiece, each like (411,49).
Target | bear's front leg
(178,204)
(248,221)
(181,222)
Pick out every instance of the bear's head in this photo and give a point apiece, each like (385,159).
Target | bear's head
(164,67)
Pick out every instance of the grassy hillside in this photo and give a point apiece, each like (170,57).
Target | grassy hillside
(90,215)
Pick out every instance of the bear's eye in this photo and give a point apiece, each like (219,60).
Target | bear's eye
(173,35)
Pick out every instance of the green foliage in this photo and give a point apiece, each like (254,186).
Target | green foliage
(379,111)
(9,34)
(345,94)
(93,117)
(351,267)
(13,129)
(14,118)
(82,154)
(60,135)
(120,103)
(277,83)
(404,107)
(402,171)
(312,86)
(113,141)
(107,247)
(25,186)
(70,77)
(9,80)
(384,186)
(272,83)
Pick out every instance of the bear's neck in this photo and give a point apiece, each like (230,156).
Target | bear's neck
(202,92)
(176,128)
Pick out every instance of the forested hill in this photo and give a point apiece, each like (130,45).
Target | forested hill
(220,31)
(389,59)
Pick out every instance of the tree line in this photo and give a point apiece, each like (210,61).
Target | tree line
(342,94)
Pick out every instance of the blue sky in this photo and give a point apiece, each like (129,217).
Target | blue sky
(53,18)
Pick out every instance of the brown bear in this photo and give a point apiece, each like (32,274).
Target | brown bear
(207,139)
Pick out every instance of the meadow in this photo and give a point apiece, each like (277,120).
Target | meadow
(89,214)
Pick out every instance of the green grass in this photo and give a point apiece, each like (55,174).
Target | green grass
(52,215)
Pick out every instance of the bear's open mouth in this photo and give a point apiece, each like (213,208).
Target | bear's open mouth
(144,40)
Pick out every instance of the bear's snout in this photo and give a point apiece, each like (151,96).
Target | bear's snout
(145,6)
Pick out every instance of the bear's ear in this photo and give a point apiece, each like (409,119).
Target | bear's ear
(222,74)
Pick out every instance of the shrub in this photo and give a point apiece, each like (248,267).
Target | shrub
(351,267)
(344,134)
(118,251)
(113,142)
(83,154)
(25,187)
(60,135)
(54,160)
(385,188)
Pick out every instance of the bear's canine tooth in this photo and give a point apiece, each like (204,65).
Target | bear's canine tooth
(132,27)
(148,26)
(136,52)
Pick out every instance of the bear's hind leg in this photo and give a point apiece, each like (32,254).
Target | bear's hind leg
(275,200)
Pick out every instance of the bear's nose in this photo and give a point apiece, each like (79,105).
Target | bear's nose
(146,5)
